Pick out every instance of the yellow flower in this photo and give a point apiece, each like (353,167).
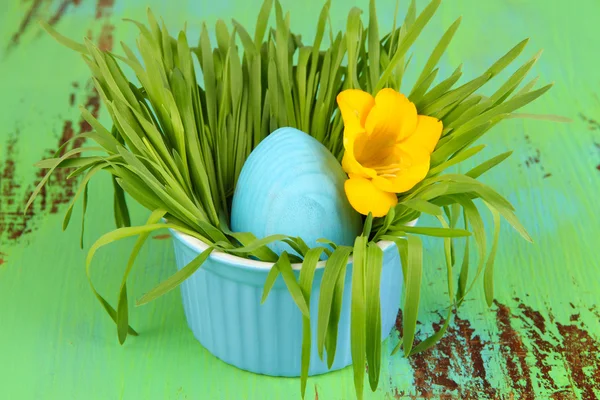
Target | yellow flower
(387,147)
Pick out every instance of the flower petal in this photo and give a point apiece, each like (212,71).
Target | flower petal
(354,105)
(364,197)
(393,114)
(426,135)
(351,166)
(412,170)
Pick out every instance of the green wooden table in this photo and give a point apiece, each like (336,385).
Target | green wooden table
(541,339)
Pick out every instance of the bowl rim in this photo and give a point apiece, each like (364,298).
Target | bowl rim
(245,263)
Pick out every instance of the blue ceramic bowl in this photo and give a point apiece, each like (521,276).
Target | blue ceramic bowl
(222,305)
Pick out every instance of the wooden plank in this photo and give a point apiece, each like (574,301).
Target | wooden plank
(540,339)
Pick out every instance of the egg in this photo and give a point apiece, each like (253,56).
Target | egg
(292,185)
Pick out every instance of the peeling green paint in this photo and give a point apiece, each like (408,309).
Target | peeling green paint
(541,339)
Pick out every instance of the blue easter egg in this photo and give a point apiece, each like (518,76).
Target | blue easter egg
(292,185)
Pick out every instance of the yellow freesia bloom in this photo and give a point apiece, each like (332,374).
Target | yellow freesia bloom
(387,147)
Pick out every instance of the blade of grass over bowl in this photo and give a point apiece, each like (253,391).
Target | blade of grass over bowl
(333,268)
(269,282)
(285,267)
(176,279)
(358,314)
(374,265)
(307,274)
(334,317)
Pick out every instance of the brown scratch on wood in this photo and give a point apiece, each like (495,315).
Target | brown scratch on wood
(594,310)
(398,323)
(455,367)
(105,42)
(103,8)
(459,353)
(535,158)
(473,357)
(514,352)
(431,368)
(542,348)
(32,13)
(59,190)
(25,22)
(582,354)
(62,9)
(592,123)
(575,317)
(12,219)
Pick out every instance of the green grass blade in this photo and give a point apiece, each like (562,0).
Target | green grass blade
(374,264)
(176,279)
(463,277)
(122,306)
(358,315)
(459,157)
(482,168)
(263,253)
(455,96)
(307,274)
(412,279)
(435,232)
(65,41)
(80,190)
(508,58)
(417,92)
(411,14)
(373,45)
(258,243)
(334,317)
(123,233)
(262,22)
(423,206)
(440,89)
(438,51)
(121,211)
(285,267)
(39,186)
(504,108)
(528,86)
(353,39)
(83,211)
(448,257)
(488,276)
(334,266)
(457,143)
(223,37)
(478,229)
(269,282)
(411,35)
(208,73)
(433,339)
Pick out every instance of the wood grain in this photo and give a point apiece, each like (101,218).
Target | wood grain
(541,339)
